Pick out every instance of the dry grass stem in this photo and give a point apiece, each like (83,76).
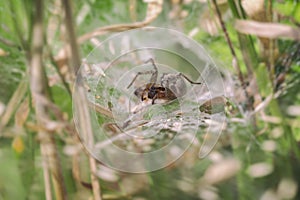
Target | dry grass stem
(38,83)
(132,9)
(13,103)
(80,101)
(235,63)
(47,180)
(100,109)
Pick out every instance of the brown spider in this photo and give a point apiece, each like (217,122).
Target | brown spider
(171,86)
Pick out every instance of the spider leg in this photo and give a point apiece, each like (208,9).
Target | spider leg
(154,98)
(189,80)
(137,75)
(154,73)
(153,78)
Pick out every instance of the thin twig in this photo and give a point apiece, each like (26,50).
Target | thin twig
(13,103)
(66,85)
(271,50)
(81,103)
(72,45)
(38,83)
(47,177)
(154,9)
(235,60)
(100,109)
(112,28)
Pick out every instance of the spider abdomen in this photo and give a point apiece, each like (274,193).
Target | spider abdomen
(174,83)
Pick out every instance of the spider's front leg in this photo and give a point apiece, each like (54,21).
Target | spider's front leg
(138,74)
(189,80)
(154,73)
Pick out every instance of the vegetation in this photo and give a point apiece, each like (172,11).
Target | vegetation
(255,44)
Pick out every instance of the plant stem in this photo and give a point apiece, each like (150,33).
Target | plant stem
(245,41)
(272,46)
(13,103)
(80,101)
(39,85)
(235,60)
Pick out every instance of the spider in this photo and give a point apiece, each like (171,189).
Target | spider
(171,86)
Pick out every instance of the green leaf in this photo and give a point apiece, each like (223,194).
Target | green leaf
(285,8)
(297,13)
(11,186)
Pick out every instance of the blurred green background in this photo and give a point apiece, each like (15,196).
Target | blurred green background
(257,156)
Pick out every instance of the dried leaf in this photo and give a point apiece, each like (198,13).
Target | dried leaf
(269,145)
(214,105)
(185,185)
(221,171)
(294,110)
(260,170)
(269,195)
(209,21)
(22,113)
(133,184)
(267,30)
(18,145)
(255,9)
(3,53)
(107,174)
(154,8)
(287,189)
